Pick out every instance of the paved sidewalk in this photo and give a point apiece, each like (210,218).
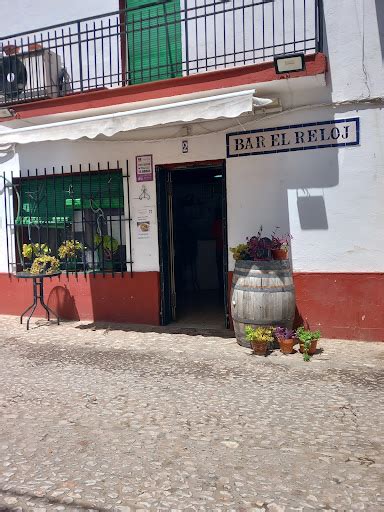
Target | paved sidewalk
(101,418)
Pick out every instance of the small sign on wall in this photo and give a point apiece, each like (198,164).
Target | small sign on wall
(144,222)
(298,137)
(144,168)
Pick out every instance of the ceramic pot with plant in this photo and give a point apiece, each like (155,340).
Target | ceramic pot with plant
(308,342)
(286,339)
(260,338)
(280,246)
(68,251)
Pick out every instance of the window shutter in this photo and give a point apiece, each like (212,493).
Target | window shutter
(52,200)
(154,40)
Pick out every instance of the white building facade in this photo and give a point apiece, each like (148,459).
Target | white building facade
(169,144)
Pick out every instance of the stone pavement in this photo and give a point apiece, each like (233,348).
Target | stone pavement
(101,418)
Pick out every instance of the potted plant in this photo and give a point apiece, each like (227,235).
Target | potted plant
(240,252)
(308,341)
(109,246)
(286,339)
(259,248)
(32,251)
(68,251)
(280,245)
(45,265)
(260,338)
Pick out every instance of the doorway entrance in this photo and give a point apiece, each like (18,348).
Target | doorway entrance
(192,220)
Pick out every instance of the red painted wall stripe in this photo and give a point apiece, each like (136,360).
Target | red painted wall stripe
(257,73)
(347,305)
(131,300)
(341,305)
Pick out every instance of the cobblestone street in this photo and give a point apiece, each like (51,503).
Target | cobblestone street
(97,417)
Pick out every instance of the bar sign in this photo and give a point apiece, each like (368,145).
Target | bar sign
(326,134)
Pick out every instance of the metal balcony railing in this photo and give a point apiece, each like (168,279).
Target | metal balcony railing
(164,39)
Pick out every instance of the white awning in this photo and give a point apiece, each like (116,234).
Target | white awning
(229,105)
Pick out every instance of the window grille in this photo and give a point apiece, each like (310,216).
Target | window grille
(52,206)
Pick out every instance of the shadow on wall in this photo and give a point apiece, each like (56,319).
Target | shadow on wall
(380,23)
(63,303)
(311,208)
(312,212)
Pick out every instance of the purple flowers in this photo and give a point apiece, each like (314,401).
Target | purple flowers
(280,242)
(284,333)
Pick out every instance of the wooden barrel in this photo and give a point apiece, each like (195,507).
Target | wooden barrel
(262,294)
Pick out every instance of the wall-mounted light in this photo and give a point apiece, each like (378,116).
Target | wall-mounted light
(290,63)
(6,112)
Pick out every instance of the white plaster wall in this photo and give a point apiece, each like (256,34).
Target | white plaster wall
(339,229)
(344,236)
(354,40)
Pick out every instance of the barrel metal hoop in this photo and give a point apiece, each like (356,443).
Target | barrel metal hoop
(269,289)
(255,322)
(257,274)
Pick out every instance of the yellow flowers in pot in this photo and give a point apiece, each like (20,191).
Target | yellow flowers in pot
(260,338)
(69,249)
(45,265)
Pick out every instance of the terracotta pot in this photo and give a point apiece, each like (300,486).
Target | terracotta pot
(286,346)
(34,47)
(279,254)
(11,49)
(259,348)
(312,349)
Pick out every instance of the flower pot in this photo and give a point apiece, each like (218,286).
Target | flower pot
(11,49)
(312,348)
(34,47)
(279,254)
(286,346)
(259,348)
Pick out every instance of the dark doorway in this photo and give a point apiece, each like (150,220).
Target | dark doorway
(193,244)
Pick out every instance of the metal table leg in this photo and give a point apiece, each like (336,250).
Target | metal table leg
(45,306)
(38,293)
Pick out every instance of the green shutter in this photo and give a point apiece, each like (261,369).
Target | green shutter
(154,40)
(52,200)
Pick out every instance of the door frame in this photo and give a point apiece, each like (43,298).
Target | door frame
(163,188)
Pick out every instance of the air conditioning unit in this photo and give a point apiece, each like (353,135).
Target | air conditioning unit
(43,69)
(29,76)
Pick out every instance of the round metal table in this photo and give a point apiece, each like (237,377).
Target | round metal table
(38,294)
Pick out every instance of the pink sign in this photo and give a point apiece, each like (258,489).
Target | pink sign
(144,168)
